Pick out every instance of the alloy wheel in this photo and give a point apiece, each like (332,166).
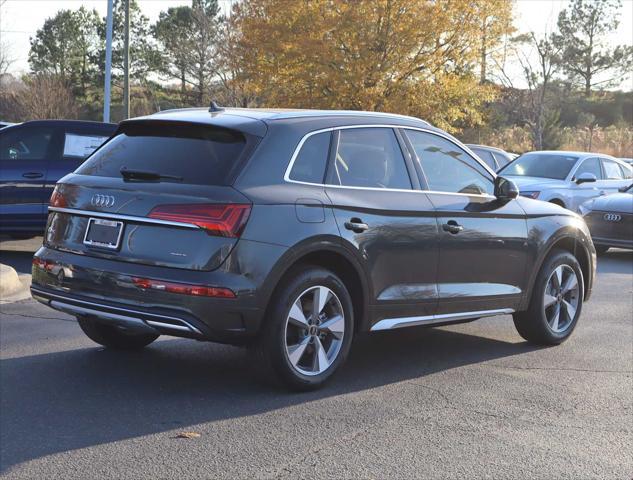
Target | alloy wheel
(314,331)
(561,298)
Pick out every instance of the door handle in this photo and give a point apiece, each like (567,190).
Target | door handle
(32,175)
(452,227)
(356,225)
(602,192)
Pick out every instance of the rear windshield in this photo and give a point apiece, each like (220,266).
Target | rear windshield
(544,165)
(197,154)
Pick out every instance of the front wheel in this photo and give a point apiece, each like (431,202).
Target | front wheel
(556,303)
(308,331)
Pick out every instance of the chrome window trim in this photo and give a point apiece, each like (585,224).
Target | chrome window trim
(394,126)
(401,322)
(117,216)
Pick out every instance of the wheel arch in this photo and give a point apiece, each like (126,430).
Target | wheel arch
(567,240)
(327,253)
(558,201)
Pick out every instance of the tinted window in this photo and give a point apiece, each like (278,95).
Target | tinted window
(447,167)
(32,143)
(591,165)
(627,171)
(486,156)
(502,159)
(369,157)
(197,154)
(77,145)
(310,163)
(612,170)
(544,165)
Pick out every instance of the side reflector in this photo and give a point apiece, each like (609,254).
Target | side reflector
(226,220)
(183,288)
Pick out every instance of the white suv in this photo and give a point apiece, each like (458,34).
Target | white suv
(567,178)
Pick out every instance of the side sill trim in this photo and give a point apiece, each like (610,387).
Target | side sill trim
(391,323)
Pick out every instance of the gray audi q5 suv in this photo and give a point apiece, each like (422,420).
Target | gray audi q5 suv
(292,231)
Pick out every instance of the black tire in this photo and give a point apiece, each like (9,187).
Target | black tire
(111,337)
(270,347)
(558,202)
(532,324)
(601,249)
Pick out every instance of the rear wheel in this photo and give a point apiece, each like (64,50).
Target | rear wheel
(112,337)
(309,329)
(556,303)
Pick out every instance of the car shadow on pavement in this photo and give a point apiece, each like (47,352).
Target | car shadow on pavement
(616,261)
(68,400)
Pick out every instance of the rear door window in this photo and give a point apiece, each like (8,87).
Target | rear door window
(197,154)
(590,165)
(80,145)
(309,165)
(626,171)
(502,159)
(369,157)
(612,170)
(486,156)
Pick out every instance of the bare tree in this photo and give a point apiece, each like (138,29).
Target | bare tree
(6,59)
(42,96)
(539,61)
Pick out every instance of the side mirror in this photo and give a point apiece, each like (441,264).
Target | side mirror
(505,189)
(586,177)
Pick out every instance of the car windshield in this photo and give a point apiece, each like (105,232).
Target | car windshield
(545,165)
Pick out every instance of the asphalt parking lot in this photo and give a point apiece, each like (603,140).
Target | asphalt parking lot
(471,400)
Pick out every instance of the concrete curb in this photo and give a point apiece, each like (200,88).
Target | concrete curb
(9,281)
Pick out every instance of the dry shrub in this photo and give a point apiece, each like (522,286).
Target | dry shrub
(40,96)
(616,140)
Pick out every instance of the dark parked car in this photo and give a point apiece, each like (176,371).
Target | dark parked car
(292,231)
(610,220)
(33,156)
(494,157)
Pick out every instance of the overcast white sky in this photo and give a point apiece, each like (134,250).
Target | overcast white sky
(20,19)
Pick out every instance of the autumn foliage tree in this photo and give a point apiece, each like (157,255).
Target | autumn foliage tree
(406,56)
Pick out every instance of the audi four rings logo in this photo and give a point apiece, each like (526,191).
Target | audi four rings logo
(99,200)
(612,217)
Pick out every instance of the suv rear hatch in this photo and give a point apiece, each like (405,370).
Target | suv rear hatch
(158,193)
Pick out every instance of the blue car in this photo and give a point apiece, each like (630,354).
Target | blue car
(33,156)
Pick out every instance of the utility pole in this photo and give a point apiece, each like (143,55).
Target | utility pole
(108,65)
(126,62)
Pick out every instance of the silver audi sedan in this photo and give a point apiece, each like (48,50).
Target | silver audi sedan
(567,178)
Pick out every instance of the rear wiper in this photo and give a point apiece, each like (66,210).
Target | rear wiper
(128,174)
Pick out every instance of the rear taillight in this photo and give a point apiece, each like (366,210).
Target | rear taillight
(223,220)
(183,288)
(57,199)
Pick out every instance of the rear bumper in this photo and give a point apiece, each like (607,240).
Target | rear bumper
(104,290)
(127,318)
